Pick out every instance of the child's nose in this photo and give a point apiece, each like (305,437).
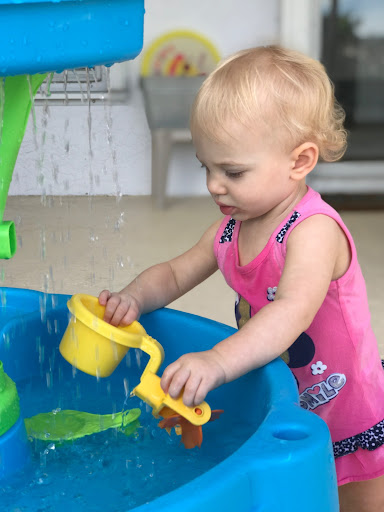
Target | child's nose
(215,184)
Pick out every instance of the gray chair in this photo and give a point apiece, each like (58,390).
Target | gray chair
(168,102)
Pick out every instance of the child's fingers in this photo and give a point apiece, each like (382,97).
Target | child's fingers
(167,376)
(111,307)
(201,392)
(104,296)
(119,310)
(131,315)
(190,390)
(178,381)
(119,313)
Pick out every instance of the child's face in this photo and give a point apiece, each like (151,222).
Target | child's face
(248,175)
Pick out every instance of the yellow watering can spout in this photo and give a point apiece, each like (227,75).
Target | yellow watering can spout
(97,347)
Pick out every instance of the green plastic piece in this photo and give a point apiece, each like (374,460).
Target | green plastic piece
(16,94)
(9,402)
(8,242)
(68,425)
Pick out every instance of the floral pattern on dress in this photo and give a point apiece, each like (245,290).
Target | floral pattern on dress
(228,232)
(318,368)
(370,439)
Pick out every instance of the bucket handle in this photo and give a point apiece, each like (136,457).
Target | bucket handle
(148,345)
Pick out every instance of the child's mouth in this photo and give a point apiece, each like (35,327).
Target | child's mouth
(226,210)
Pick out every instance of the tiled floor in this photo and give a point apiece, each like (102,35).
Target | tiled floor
(84,244)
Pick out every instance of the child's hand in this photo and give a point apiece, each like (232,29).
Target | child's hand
(198,373)
(120,308)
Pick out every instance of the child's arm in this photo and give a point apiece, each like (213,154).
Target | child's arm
(317,252)
(163,283)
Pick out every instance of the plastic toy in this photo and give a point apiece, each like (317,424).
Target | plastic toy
(179,53)
(69,425)
(190,435)
(96,347)
(38,36)
(16,95)
(14,453)
(9,402)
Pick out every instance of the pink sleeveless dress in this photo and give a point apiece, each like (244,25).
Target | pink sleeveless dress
(336,361)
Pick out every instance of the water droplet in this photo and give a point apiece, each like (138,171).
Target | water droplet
(126,387)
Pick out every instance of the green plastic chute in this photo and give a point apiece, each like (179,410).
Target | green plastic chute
(68,425)
(16,96)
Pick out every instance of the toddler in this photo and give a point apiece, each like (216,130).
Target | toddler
(260,122)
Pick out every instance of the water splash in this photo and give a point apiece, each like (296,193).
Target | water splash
(138,355)
(41,157)
(3,298)
(119,221)
(120,261)
(126,388)
(47,90)
(81,90)
(108,123)
(33,110)
(43,244)
(89,116)
(65,86)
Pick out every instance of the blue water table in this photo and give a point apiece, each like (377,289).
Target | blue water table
(270,453)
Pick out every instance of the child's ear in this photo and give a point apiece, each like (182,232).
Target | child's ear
(304,158)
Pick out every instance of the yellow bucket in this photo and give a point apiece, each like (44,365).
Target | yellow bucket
(93,345)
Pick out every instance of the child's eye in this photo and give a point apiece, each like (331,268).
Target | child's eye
(234,175)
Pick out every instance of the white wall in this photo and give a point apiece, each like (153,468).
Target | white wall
(62,165)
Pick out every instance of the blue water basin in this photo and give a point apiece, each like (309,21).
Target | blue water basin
(263,454)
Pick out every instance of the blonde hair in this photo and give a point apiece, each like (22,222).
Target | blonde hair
(284,89)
